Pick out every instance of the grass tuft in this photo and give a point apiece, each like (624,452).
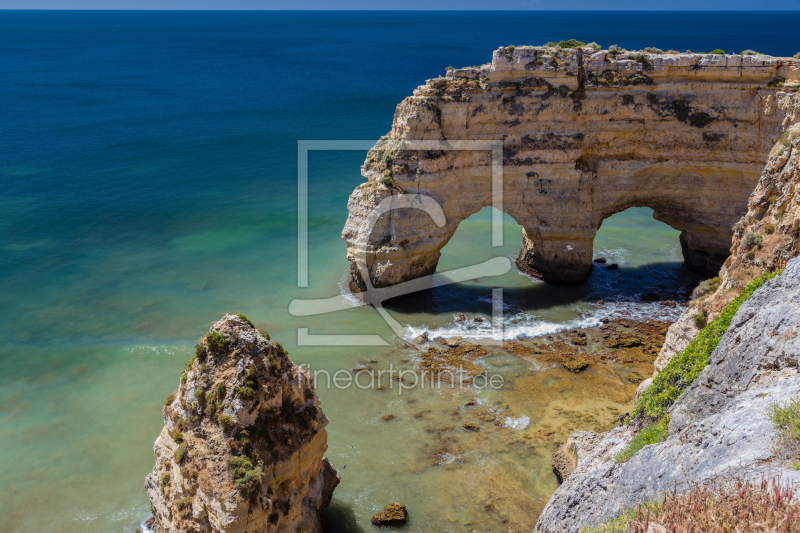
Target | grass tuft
(652,434)
(244,317)
(707,287)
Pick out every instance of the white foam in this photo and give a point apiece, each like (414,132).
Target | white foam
(517,423)
(526,325)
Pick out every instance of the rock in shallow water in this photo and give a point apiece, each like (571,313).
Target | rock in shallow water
(394,514)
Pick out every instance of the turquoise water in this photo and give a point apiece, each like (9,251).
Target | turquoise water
(147,163)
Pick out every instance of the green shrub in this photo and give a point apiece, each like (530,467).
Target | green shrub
(180,453)
(700,320)
(211,410)
(510,48)
(594,46)
(216,342)
(786,418)
(570,43)
(752,240)
(684,367)
(169,400)
(797,55)
(706,287)
(773,198)
(164,480)
(246,475)
(246,393)
(248,389)
(652,434)
(643,59)
(751,53)
(199,395)
(738,227)
(185,506)
(777,82)
(717,52)
(615,49)
(769,229)
(281,349)
(653,50)
(225,421)
(264,333)
(244,317)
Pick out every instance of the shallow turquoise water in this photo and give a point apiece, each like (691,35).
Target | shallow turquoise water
(147,164)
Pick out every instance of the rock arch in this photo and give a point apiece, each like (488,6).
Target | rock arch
(584,137)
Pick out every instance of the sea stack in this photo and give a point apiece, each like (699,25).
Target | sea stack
(243,441)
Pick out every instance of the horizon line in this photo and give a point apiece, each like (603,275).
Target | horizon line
(417,10)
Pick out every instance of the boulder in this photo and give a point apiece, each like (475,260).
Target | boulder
(394,514)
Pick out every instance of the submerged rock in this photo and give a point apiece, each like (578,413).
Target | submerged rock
(394,514)
(243,441)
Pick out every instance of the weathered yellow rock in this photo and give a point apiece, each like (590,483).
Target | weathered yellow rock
(243,441)
(584,135)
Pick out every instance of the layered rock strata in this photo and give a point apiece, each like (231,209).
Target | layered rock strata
(584,135)
(765,238)
(243,441)
(719,427)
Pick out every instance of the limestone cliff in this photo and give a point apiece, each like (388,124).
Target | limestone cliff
(719,427)
(243,441)
(584,135)
(765,238)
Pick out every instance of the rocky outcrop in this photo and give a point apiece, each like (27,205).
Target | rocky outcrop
(585,135)
(719,427)
(576,449)
(766,237)
(243,441)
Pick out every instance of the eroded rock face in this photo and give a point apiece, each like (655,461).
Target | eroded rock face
(569,455)
(766,238)
(243,441)
(719,427)
(584,135)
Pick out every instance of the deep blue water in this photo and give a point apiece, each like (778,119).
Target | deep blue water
(147,184)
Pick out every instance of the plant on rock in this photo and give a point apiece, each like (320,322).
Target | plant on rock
(246,475)
(786,421)
(752,240)
(216,342)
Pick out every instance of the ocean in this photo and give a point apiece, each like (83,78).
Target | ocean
(148,163)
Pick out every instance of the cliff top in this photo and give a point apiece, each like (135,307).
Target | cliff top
(584,65)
